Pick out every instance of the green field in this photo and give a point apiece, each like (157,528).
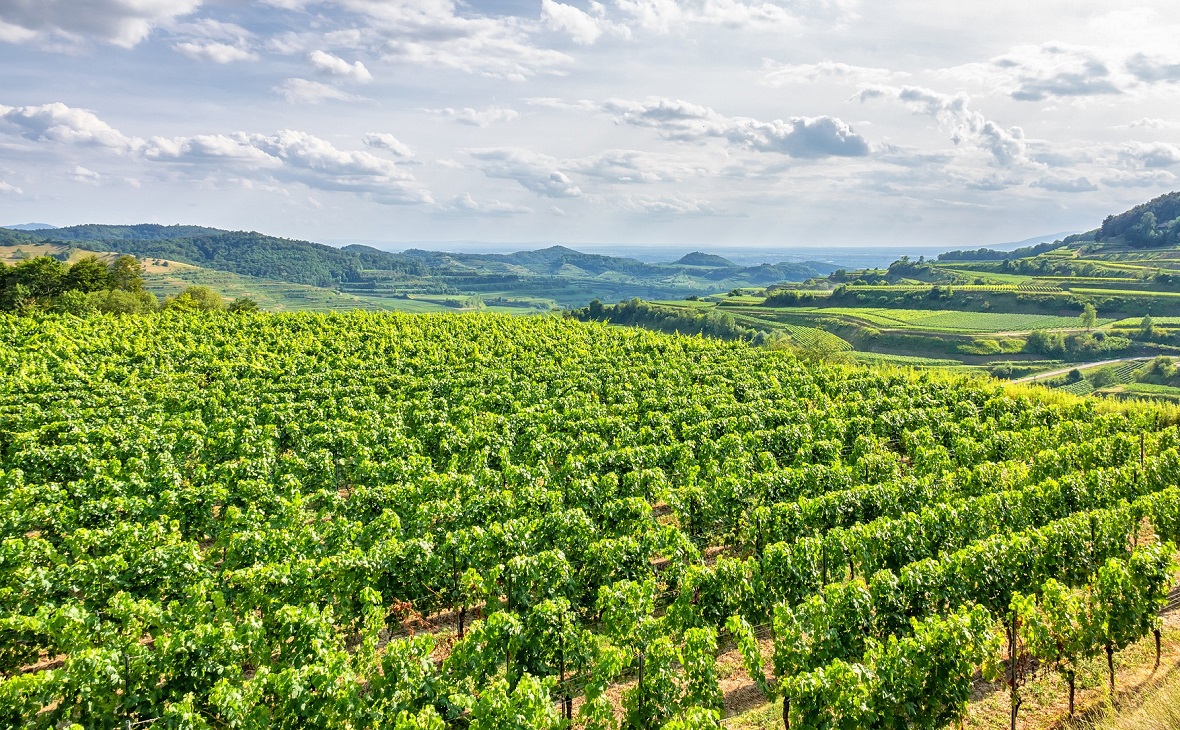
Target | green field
(935,320)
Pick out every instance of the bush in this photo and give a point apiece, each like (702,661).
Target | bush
(117,301)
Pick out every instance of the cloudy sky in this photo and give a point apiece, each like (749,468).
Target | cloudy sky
(744,122)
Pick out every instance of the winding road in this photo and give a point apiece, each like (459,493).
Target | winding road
(1078,366)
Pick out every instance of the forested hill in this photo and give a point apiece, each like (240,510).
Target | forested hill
(556,273)
(1153,224)
(240,252)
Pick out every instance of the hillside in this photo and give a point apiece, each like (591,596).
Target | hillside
(554,276)
(1153,224)
(461,522)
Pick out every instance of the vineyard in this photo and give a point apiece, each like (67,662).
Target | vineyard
(477,521)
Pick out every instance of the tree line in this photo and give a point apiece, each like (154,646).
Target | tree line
(91,285)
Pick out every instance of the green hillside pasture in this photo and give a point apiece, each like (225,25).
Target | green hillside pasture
(943,321)
(1135,322)
(803,336)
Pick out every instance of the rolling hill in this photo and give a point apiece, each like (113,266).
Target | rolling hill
(563,276)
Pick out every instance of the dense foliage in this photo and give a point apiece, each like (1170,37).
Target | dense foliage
(1154,223)
(371,521)
(89,284)
(671,320)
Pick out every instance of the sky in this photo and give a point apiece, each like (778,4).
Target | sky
(756,123)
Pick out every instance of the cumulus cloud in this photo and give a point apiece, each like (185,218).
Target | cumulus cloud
(302,91)
(331,65)
(466,204)
(1151,69)
(57,122)
(1059,71)
(1064,184)
(215,51)
(121,22)
(294,156)
(1150,154)
(583,28)
(287,156)
(478,117)
(533,171)
(1007,146)
(385,141)
(807,137)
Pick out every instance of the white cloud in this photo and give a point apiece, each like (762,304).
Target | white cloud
(665,16)
(1056,70)
(582,27)
(533,171)
(384,141)
(1138,179)
(302,91)
(466,204)
(57,122)
(671,205)
(806,137)
(781,74)
(435,33)
(1007,146)
(293,156)
(331,65)
(215,52)
(1064,184)
(287,156)
(9,189)
(121,22)
(1150,154)
(85,175)
(478,117)
(633,166)
(1152,123)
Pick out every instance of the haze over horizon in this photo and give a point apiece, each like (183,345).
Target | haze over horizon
(646,122)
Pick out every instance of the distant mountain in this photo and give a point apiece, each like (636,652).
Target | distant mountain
(557,273)
(698,258)
(30,227)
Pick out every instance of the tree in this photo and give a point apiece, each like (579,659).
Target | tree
(242,304)
(195,299)
(127,274)
(42,276)
(1146,327)
(87,275)
(117,301)
(1089,316)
